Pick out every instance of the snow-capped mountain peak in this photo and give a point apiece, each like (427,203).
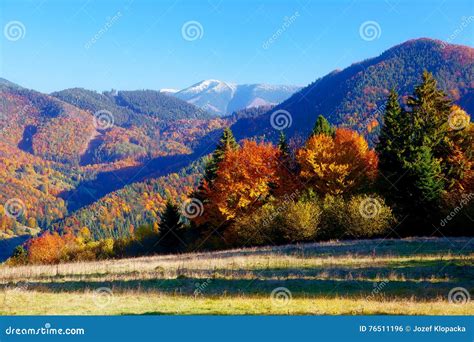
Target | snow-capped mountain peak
(209,85)
(223,98)
(168,91)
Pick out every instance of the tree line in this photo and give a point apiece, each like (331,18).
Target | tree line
(334,186)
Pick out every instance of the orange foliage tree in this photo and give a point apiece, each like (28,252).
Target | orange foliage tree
(245,179)
(46,249)
(339,164)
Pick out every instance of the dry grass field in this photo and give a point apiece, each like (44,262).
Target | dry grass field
(409,276)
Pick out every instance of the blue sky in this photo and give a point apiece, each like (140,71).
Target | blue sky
(139,44)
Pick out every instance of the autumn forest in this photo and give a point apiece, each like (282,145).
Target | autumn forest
(333,184)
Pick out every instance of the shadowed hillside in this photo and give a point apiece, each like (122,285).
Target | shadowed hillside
(355,96)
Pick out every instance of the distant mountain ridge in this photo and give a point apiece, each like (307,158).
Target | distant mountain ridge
(63,126)
(127,105)
(43,125)
(55,160)
(223,98)
(355,97)
(6,84)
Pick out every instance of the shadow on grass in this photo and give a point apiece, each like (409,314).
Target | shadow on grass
(236,287)
(409,270)
(373,247)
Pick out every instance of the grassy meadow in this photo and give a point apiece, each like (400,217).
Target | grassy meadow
(409,276)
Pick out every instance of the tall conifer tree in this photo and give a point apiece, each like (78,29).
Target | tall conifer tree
(226,142)
(322,126)
(171,229)
(283,145)
(430,109)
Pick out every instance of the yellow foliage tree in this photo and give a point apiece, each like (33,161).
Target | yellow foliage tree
(339,164)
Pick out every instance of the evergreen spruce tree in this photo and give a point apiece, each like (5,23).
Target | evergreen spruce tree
(389,143)
(429,108)
(20,255)
(226,142)
(171,229)
(393,144)
(429,144)
(428,178)
(322,126)
(286,157)
(283,145)
(413,153)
